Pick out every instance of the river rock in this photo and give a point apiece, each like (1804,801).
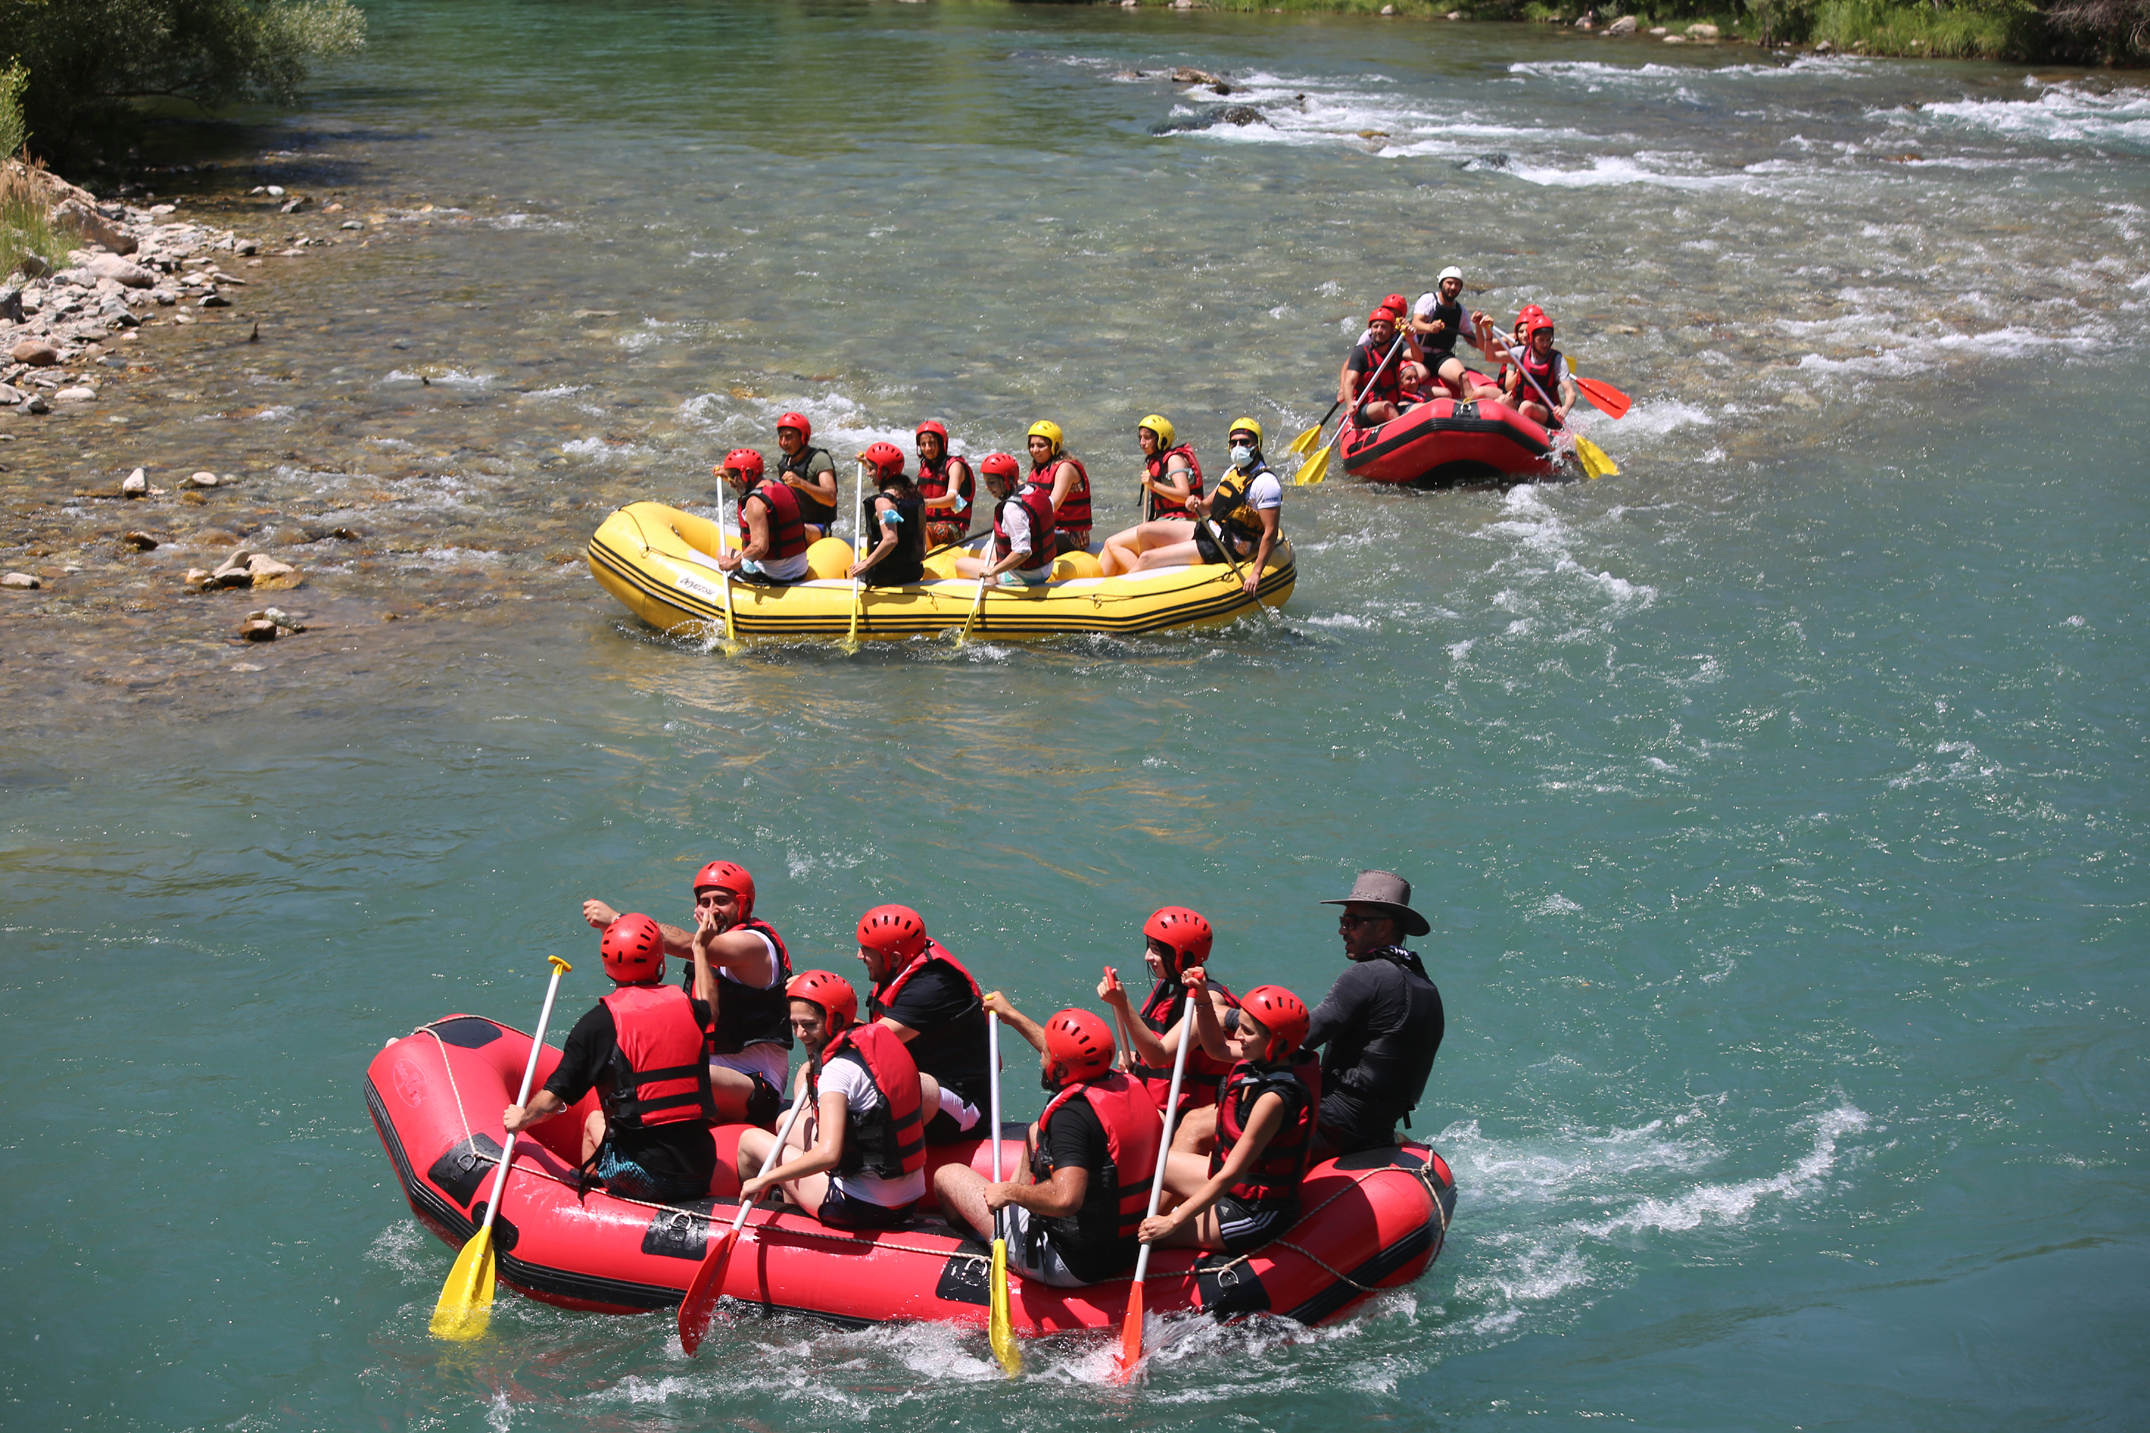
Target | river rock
(1703,30)
(76,394)
(10,396)
(22,581)
(1675,39)
(32,267)
(292,206)
(1824,48)
(259,629)
(197,577)
(85,223)
(136,485)
(213,299)
(1189,75)
(35,352)
(120,271)
(245,247)
(271,575)
(1625,25)
(141,542)
(289,621)
(356,224)
(201,480)
(37,404)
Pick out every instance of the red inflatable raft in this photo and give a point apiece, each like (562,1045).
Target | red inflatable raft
(1444,442)
(1372,1221)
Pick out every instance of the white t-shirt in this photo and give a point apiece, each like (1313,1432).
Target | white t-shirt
(848,1078)
(1424,309)
(1264,492)
(1015,522)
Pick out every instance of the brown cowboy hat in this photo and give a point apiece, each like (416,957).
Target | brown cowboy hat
(1389,891)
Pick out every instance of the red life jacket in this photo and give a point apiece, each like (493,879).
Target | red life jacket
(1198,1087)
(935,481)
(1546,393)
(1164,507)
(787,523)
(1389,386)
(890,1139)
(1134,1130)
(1037,504)
(746,1016)
(1273,1178)
(1074,514)
(657,1074)
(951,1051)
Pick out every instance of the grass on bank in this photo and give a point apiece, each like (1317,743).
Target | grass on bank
(24,229)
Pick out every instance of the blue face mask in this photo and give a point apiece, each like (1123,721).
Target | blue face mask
(1242,456)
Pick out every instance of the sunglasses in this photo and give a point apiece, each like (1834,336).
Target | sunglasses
(1349,919)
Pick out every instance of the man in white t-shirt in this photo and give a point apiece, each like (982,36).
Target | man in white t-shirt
(858,1159)
(1247,509)
(1438,321)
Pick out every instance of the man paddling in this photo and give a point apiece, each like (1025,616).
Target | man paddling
(749,1048)
(809,472)
(640,1048)
(1438,321)
(1382,1020)
(773,533)
(1371,381)
(1092,1153)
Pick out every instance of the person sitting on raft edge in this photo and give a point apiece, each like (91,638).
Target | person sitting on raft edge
(1371,383)
(1175,940)
(946,483)
(1539,385)
(1068,482)
(809,472)
(1022,552)
(857,1158)
(1248,507)
(896,514)
(750,1040)
(640,1048)
(773,535)
(1382,1020)
(925,997)
(1238,1161)
(1092,1153)
(1171,476)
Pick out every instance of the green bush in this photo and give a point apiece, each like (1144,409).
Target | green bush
(91,63)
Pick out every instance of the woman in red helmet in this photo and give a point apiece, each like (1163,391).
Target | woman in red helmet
(640,1048)
(1536,380)
(896,514)
(809,472)
(1092,1153)
(1023,527)
(925,997)
(946,483)
(860,1161)
(1239,1163)
(773,531)
(747,965)
(1175,940)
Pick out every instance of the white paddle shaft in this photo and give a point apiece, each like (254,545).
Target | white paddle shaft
(1164,1147)
(769,1160)
(537,1048)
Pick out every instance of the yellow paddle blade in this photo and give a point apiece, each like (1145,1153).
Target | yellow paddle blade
(1304,443)
(1002,1337)
(1317,468)
(1595,461)
(466,1300)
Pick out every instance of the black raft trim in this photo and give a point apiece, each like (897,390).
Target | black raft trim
(681,1232)
(466,1032)
(464,1166)
(1228,1286)
(963,1278)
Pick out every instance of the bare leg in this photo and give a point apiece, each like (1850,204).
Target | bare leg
(1197,1134)
(1178,554)
(732,1090)
(593,1134)
(962,1194)
(1377,413)
(969,566)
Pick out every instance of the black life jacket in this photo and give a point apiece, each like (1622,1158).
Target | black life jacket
(908,562)
(811,507)
(787,520)
(1273,1178)
(1438,346)
(1164,507)
(746,1016)
(1230,509)
(657,1074)
(1036,501)
(953,1052)
(1387,1069)
(934,482)
(1134,1130)
(890,1139)
(1198,1086)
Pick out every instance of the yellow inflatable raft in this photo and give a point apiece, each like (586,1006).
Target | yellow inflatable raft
(659,562)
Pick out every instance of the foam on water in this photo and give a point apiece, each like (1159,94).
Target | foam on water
(2060,114)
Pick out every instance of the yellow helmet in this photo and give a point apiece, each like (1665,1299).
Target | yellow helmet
(1049,431)
(1159,424)
(1246,425)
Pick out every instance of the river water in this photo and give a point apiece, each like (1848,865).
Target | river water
(1779,805)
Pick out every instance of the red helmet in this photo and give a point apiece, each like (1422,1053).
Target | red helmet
(795,420)
(934,425)
(1183,932)
(886,459)
(1000,465)
(1533,321)
(633,947)
(1078,1043)
(898,933)
(1528,313)
(729,876)
(746,460)
(1382,314)
(1282,1014)
(1397,303)
(833,993)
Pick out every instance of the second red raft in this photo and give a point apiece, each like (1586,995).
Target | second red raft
(1371,1221)
(1443,443)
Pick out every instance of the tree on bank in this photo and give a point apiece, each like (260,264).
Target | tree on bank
(91,63)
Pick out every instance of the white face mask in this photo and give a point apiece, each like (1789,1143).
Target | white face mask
(1242,456)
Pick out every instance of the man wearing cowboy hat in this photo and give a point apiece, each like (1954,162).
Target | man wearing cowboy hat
(1382,1020)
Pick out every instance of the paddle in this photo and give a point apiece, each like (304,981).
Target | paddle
(1302,444)
(724,576)
(1129,1357)
(977,604)
(1317,467)
(858,584)
(1596,463)
(699,1307)
(1603,396)
(466,1300)
(998,1333)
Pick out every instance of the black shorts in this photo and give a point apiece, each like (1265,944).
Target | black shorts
(1249,1226)
(1207,548)
(765,1103)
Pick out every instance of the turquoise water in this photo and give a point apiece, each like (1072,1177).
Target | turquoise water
(1779,805)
